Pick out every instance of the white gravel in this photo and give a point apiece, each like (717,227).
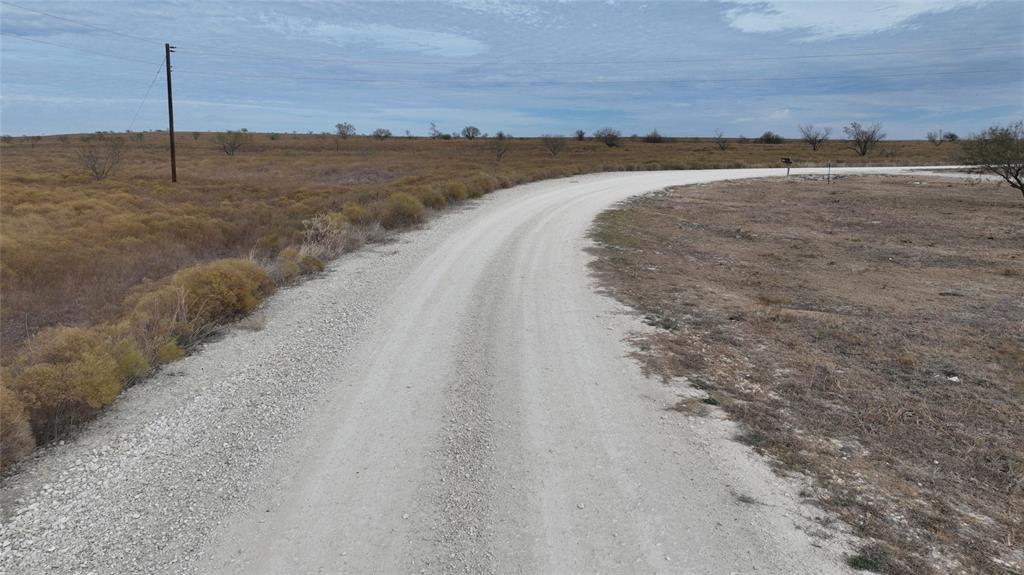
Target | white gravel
(459,400)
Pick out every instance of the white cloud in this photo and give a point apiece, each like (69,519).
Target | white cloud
(525,13)
(827,20)
(377,36)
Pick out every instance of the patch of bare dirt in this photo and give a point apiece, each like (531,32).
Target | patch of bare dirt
(868,333)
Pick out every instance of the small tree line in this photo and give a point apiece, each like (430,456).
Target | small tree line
(997,149)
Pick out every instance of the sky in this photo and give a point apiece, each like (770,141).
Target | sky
(684,68)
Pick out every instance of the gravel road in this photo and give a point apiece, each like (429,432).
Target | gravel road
(460,400)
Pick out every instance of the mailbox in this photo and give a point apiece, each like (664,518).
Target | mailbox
(788,162)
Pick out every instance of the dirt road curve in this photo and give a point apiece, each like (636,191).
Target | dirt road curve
(458,401)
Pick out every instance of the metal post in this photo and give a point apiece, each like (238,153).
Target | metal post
(170,110)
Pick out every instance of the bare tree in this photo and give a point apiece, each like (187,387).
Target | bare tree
(936,138)
(231,141)
(653,137)
(381,133)
(344,130)
(815,137)
(720,140)
(434,132)
(1000,150)
(470,132)
(499,145)
(863,138)
(553,144)
(101,157)
(580,135)
(609,136)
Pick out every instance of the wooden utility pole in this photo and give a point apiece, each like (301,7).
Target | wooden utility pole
(170,110)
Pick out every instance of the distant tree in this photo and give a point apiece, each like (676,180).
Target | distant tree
(273,135)
(244,130)
(609,136)
(769,137)
(470,132)
(863,138)
(100,157)
(435,133)
(814,137)
(1000,150)
(743,139)
(553,144)
(196,135)
(344,129)
(500,145)
(937,137)
(653,137)
(231,141)
(720,140)
(381,133)
(580,135)
(950,137)
(408,134)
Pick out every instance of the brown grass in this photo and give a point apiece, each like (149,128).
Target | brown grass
(126,259)
(869,333)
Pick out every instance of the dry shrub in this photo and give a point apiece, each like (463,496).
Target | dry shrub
(431,198)
(16,439)
(169,351)
(286,267)
(326,235)
(311,264)
(292,263)
(357,215)
(456,191)
(222,290)
(402,210)
(63,375)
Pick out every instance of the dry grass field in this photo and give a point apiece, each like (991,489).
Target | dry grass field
(868,333)
(124,263)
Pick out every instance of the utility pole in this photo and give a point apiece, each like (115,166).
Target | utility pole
(170,110)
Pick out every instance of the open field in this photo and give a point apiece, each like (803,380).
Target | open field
(458,400)
(72,247)
(869,334)
(124,260)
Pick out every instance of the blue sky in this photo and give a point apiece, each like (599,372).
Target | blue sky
(684,68)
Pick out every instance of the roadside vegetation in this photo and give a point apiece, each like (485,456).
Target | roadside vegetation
(109,270)
(867,334)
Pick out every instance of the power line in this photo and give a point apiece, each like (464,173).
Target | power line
(78,22)
(77,49)
(144,98)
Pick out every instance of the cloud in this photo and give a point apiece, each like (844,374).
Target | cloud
(377,36)
(829,20)
(524,13)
